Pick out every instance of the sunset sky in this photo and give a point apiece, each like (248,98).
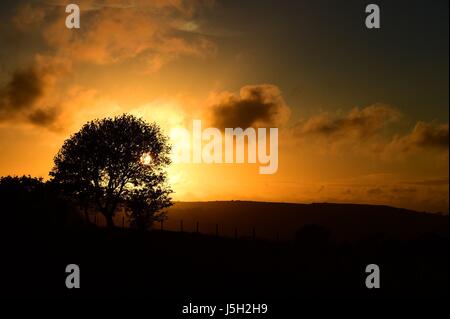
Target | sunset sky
(362,114)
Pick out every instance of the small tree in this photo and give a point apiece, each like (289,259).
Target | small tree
(110,160)
(146,204)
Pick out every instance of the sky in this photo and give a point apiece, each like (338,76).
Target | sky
(362,113)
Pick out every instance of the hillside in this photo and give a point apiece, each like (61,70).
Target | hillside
(345,221)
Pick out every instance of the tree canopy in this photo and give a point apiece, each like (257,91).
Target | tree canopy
(116,161)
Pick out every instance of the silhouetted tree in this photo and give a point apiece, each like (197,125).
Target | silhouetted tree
(145,205)
(109,160)
(79,192)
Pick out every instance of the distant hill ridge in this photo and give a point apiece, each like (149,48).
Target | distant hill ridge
(273,220)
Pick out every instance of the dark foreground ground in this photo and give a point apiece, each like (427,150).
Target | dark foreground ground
(166,265)
(320,255)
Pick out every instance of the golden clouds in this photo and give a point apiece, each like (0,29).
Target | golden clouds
(369,130)
(146,34)
(117,31)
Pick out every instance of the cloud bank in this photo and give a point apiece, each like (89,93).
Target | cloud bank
(358,123)
(369,130)
(423,136)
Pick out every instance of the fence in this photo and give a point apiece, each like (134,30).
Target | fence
(234,233)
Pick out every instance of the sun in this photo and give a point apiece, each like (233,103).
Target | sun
(146,159)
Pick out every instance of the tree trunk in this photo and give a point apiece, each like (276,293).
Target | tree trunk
(86,215)
(109,221)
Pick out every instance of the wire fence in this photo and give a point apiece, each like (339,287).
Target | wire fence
(179,225)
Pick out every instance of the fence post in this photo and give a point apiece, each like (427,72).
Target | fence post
(253,233)
(197,228)
(181,225)
(217,229)
(123,222)
(162,224)
(235,232)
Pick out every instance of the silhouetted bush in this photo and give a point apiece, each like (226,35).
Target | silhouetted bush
(30,204)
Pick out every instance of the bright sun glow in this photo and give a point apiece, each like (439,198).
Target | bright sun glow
(146,159)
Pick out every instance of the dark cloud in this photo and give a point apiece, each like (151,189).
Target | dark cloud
(41,117)
(20,93)
(356,123)
(24,89)
(23,98)
(256,105)
(424,135)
